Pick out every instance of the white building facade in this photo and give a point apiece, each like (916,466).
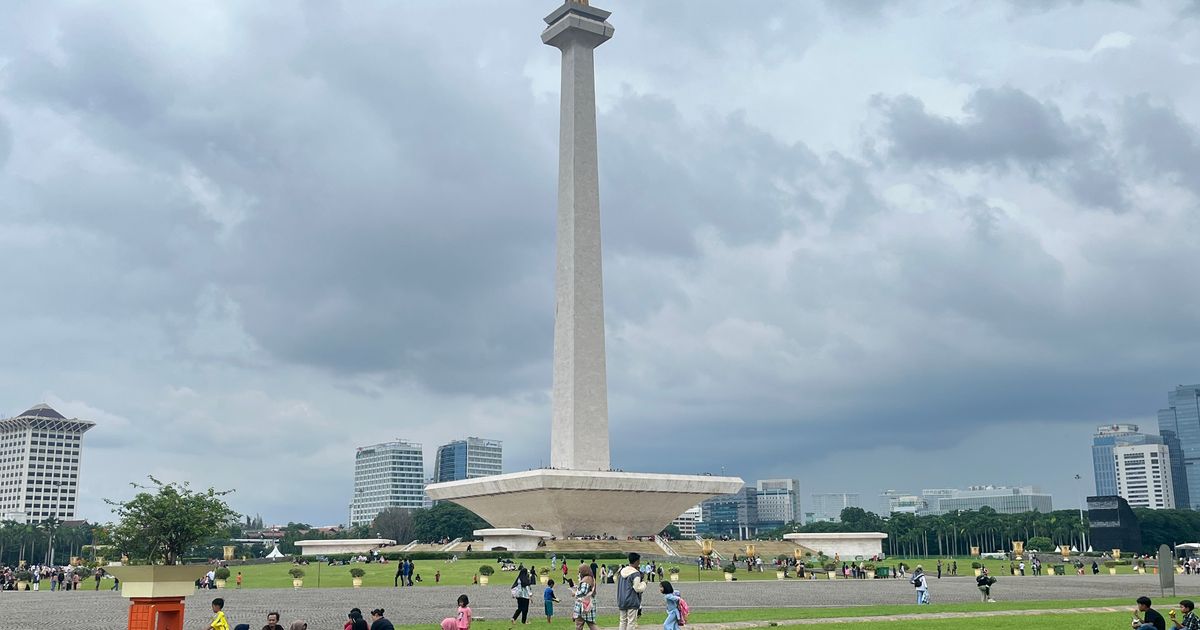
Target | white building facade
(687,521)
(40,455)
(1144,475)
(778,502)
(387,475)
(468,459)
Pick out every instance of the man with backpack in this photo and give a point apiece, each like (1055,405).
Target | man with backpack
(985,582)
(630,586)
(922,585)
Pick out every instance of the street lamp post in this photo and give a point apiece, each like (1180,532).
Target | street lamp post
(1082,522)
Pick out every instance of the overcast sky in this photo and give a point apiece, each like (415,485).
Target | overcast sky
(864,244)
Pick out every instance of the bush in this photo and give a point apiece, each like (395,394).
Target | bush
(673,571)
(729,567)
(976,565)
(1040,543)
(486,569)
(296,573)
(222,573)
(357,572)
(24,575)
(544,571)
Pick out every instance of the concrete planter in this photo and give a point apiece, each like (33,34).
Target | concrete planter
(674,577)
(779,575)
(832,574)
(357,582)
(483,580)
(22,585)
(220,583)
(1049,570)
(728,577)
(1112,570)
(978,572)
(158,580)
(545,578)
(297,583)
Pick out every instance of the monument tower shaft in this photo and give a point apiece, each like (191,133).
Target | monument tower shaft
(579,431)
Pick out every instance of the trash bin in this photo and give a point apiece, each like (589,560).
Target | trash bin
(1060,569)
(883,572)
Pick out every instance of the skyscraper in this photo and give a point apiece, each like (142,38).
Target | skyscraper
(468,459)
(1144,475)
(1107,437)
(778,502)
(387,475)
(829,506)
(1179,425)
(40,453)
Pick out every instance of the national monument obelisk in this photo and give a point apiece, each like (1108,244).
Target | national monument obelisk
(580,494)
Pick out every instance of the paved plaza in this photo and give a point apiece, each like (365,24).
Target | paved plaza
(326,608)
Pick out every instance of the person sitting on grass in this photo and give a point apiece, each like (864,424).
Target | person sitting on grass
(1190,621)
(1150,619)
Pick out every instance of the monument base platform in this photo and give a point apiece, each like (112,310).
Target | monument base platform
(847,545)
(510,539)
(575,503)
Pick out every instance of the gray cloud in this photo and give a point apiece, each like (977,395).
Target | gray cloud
(299,228)
(1006,127)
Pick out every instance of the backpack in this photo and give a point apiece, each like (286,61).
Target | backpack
(916,580)
(683,611)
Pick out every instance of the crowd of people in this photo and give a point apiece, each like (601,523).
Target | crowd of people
(55,578)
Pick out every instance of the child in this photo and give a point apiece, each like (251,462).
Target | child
(437,577)
(672,599)
(463,620)
(549,597)
(239,579)
(219,622)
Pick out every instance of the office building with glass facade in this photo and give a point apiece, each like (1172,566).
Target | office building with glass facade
(388,475)
(778,502)
(1004,500)
(1105,439)
(1179,426)
(1144,475)
(732,515)
(468,459)
(828,506)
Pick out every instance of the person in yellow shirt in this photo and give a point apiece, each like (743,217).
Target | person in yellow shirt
(219,622)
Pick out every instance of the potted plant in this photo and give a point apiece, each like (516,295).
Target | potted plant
(544,575)
(23,577)
(297,576)
(830,569)
(729,568)
(978,566)
(357,573)
(1112,566)
(222,574)
(674,573)
(484,572)
(869,567)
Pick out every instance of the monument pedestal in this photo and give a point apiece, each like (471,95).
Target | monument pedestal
(576,503)
(510,539)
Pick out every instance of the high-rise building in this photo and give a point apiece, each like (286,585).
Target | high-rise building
(468,459)
(778,503)
(40,454)
(1107,437)
(733,515)
(1144,475)
(686,522)
(1179,425)
(388,475)
(828,506)
(1002,499)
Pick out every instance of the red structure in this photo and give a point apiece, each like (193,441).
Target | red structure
(156,613)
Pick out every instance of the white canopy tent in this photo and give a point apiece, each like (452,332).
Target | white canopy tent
(275,553)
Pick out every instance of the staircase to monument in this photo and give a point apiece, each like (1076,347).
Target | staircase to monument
(450,546)
(665,546)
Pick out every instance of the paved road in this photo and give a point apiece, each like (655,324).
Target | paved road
(325,609)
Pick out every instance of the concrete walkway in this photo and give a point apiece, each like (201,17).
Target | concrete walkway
(746,625)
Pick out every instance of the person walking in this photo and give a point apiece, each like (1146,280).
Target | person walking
(939,565)
(219,622)
(584,611)
(922,585)
(672,598)
(462,619)
(522,590)
(630,587)
(399,579)
(984,582)
(548,601)
(355,621)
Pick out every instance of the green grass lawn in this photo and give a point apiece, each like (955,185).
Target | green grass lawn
(461,572)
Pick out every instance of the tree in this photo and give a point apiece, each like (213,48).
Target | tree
(393,523)
(445,520)
(672,532)
(165,520)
